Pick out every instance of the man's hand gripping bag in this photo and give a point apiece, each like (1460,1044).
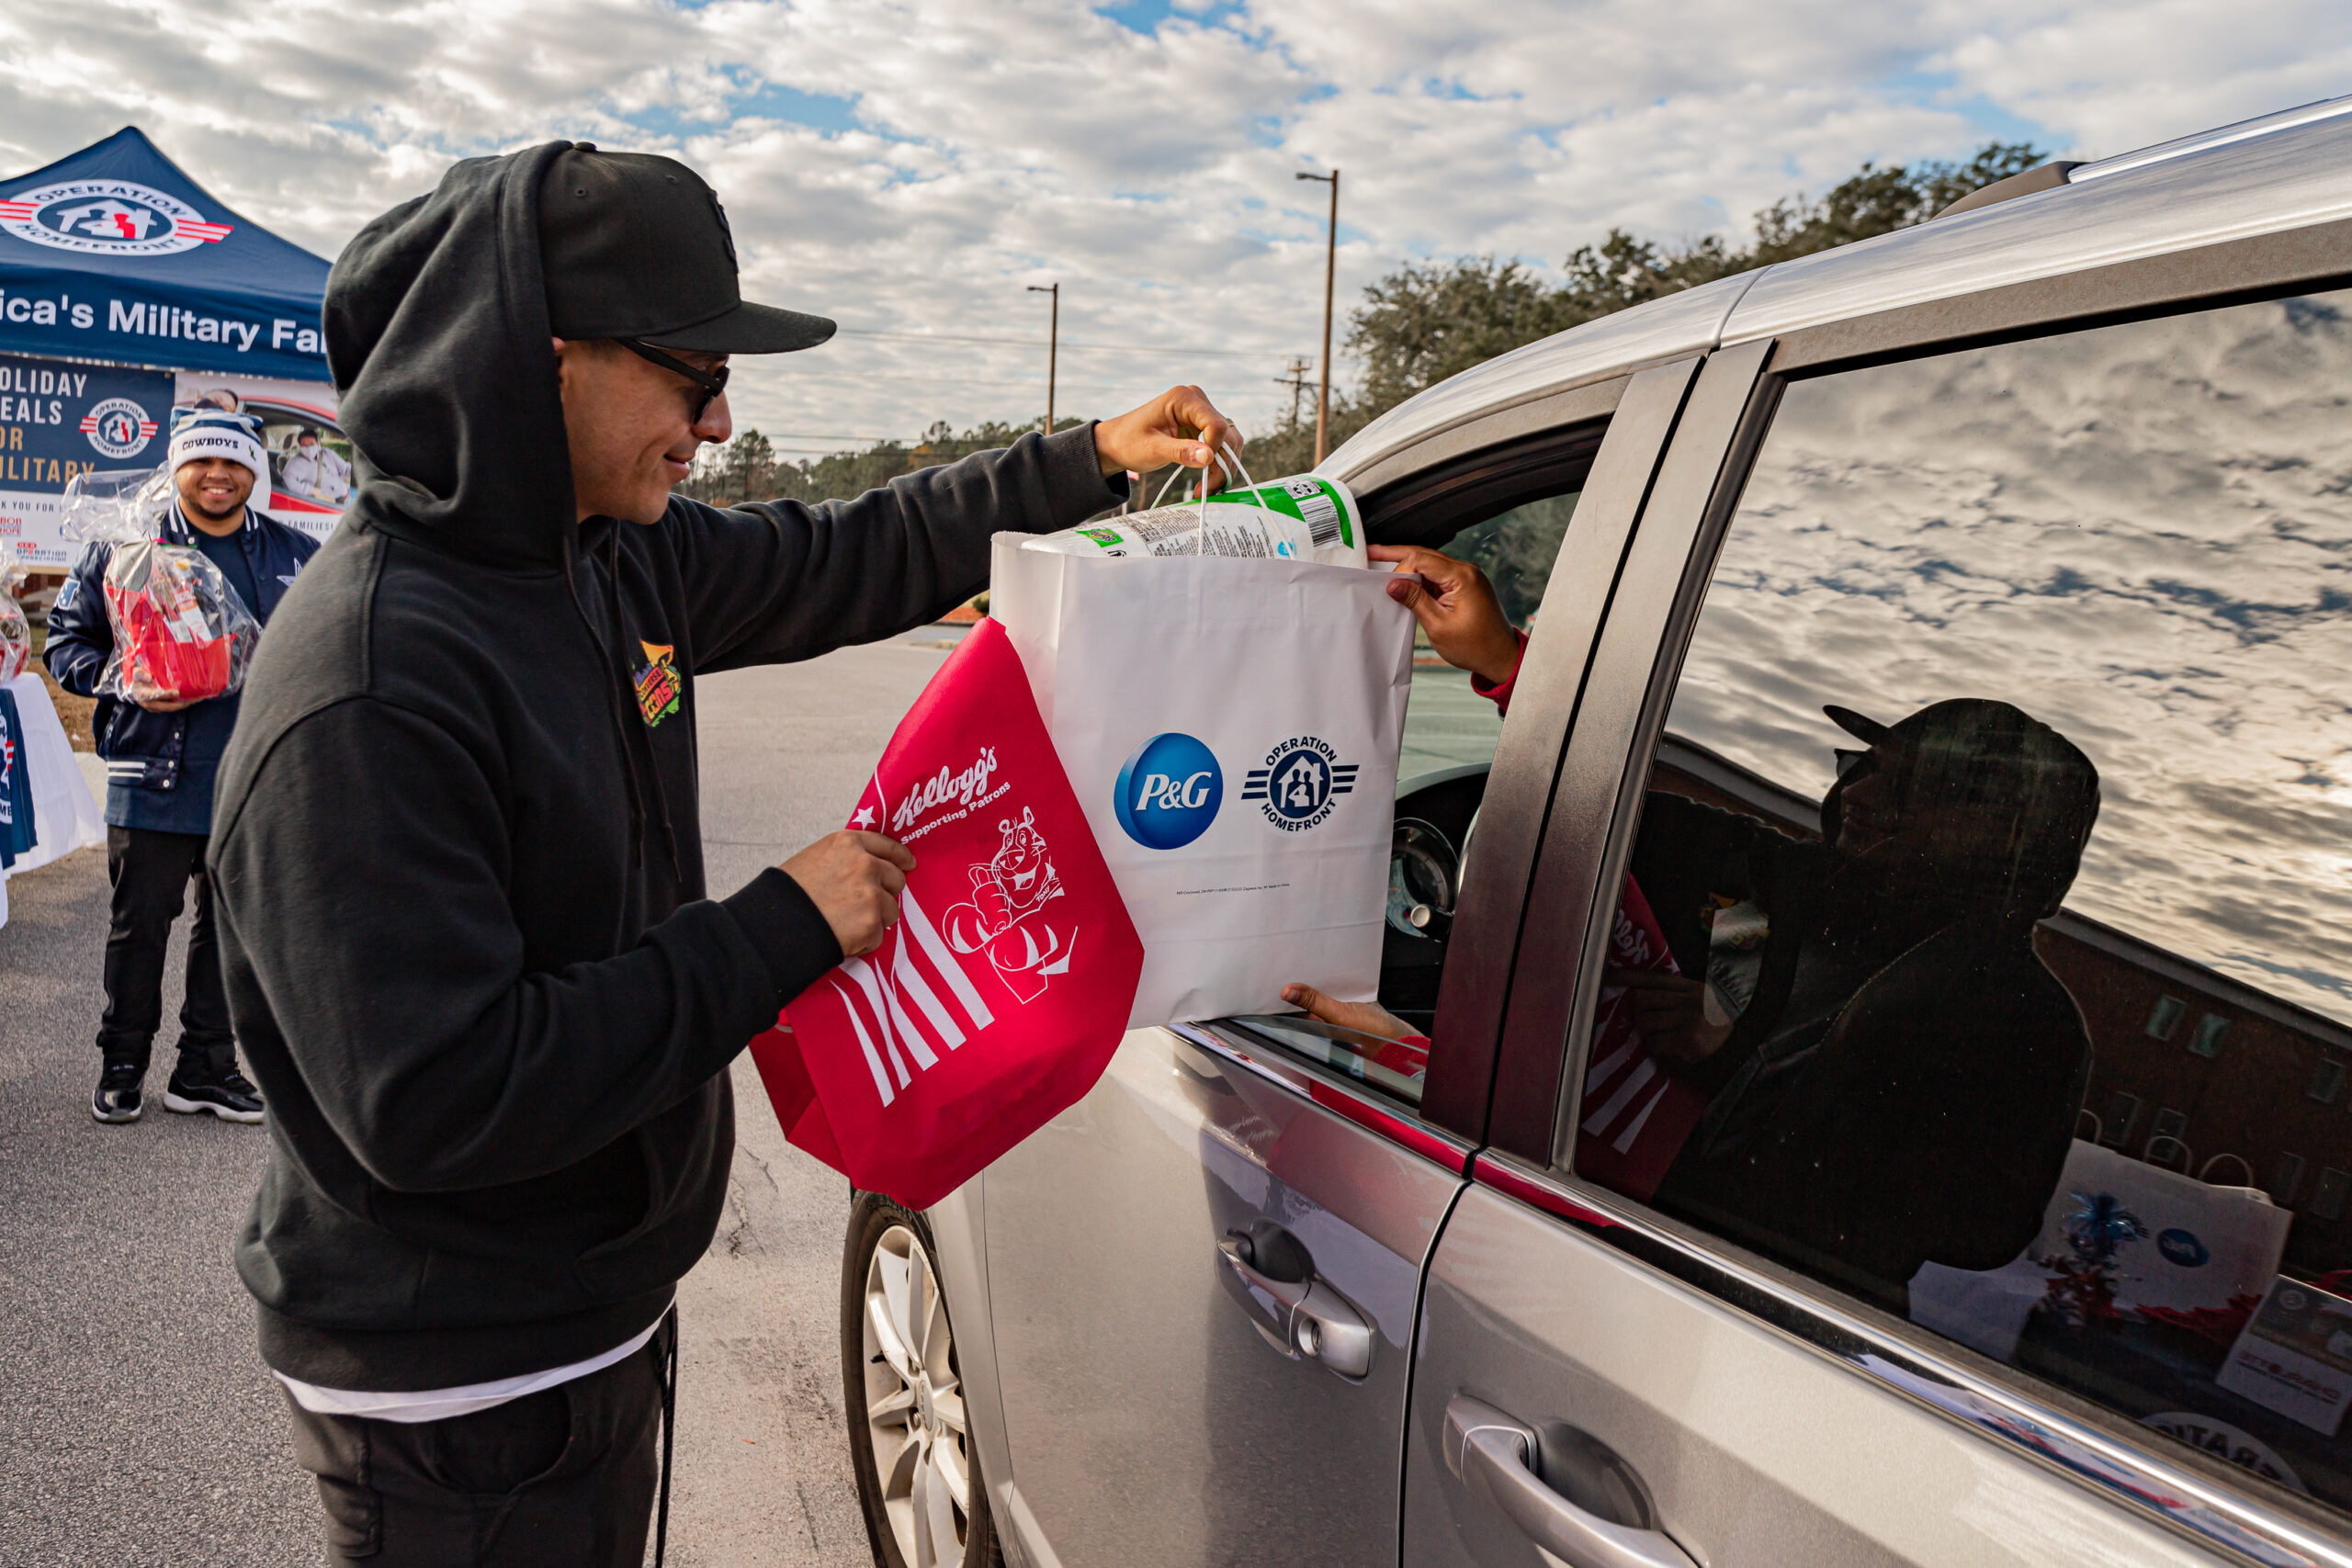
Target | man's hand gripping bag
(1231,729)
(996,1000)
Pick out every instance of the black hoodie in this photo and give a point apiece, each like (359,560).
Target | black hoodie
(456,845)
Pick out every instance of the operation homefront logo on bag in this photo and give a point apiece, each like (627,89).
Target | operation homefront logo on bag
(998,996)
(1301,781)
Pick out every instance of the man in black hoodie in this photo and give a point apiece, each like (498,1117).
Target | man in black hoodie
(459,866)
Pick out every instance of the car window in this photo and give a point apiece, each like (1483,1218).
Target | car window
(1451,731)
(1447,725)
(1986,948)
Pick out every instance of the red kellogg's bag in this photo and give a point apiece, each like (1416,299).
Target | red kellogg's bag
(1636,1114)
(996,1000)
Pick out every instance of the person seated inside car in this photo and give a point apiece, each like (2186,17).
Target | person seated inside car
(1889,1073)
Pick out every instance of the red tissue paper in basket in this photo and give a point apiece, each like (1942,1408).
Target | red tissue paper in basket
(180,632)
(999,997)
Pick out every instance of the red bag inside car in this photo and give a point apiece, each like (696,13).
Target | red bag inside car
(1636,1114)
(996,1000)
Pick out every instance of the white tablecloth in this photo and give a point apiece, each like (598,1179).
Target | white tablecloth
(65,813)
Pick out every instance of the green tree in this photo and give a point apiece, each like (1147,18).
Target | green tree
(1427,321)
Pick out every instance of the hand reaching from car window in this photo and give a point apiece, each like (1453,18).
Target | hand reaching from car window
(1457,609)
(1365,1017)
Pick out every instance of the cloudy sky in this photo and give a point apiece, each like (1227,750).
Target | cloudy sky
(912,166)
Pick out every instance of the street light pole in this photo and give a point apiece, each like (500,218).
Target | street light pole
(1330,264)
(1053,348)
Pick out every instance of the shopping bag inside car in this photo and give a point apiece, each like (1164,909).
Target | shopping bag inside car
(998,998)
(2120,1238)
(1231,729)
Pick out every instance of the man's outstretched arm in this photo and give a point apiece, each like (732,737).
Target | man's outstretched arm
(780,581)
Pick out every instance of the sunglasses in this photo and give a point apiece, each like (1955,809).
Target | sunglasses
(709,382)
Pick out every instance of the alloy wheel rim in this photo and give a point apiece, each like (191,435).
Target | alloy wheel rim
(914,1404)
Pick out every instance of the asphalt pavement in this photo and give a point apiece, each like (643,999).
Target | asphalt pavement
(138,1427)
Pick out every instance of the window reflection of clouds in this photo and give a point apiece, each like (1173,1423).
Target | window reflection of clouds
(2141,534)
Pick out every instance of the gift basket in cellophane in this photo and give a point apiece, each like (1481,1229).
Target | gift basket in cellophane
(16,635)
(181,635)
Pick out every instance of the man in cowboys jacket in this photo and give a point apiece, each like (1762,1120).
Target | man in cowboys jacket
(161,760)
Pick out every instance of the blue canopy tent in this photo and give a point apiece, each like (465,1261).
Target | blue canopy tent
(124,289)
(114,253)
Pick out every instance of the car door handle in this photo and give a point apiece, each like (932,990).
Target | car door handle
(1495,1458)
(1305,1317)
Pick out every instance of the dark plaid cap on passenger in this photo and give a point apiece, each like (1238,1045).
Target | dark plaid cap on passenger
(633,244)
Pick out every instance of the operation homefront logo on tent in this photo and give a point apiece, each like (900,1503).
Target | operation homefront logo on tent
(119,428)
(107,217)
(58,421)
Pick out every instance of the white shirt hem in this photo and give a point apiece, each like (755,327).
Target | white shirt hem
(441,1403)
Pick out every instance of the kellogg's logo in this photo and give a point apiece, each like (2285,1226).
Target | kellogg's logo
(963,790)
(1300,783)
(107,217)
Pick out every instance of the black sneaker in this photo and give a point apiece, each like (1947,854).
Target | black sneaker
(225,1094)
(118,1098)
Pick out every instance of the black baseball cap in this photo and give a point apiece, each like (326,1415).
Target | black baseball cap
(636,245)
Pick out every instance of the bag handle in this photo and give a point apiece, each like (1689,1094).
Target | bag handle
(1201,522)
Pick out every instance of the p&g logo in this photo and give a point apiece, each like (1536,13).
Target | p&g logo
(1168,792)
(2183,1248)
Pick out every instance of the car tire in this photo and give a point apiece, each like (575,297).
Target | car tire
(909,1438)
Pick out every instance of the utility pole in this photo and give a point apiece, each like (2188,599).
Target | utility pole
(1330,264)
(1053,348)
(1295,377)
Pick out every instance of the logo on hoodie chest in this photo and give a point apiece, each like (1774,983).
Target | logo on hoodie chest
(659,690)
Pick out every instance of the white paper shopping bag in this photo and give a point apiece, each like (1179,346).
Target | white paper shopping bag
(1231,729)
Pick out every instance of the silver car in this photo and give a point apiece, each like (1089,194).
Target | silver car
(1888,977)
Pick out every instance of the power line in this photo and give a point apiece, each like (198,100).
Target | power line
(952,382)
(1033,344)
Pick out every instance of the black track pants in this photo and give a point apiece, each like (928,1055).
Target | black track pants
(151,872)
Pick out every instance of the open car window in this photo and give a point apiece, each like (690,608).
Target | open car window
(1514,528)
(1986,948)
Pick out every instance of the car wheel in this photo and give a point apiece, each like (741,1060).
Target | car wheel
(909,1438)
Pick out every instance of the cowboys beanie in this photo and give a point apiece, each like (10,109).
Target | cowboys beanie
(199,432)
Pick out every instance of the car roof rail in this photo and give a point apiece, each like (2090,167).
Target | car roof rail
(2045,176)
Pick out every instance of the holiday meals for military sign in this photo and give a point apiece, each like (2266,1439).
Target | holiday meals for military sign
(58,420)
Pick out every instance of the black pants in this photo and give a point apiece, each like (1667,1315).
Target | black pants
(151,872)
(563,1478)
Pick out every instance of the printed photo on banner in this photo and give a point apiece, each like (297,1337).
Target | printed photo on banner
(310,457)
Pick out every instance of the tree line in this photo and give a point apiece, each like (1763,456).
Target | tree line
(1427,321)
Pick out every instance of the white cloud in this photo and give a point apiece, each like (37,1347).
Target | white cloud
(914,166)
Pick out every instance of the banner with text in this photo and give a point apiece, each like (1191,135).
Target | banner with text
(59,420)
